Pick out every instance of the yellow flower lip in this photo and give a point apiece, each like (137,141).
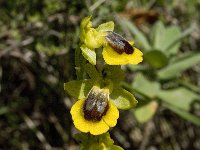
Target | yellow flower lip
(97,127)
(104,114)
(112,57)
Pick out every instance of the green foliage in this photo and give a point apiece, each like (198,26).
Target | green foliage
(161,55)
(146,87)
(156,59)
(165,39)
(114,73)
(78,89)
(108,26)
(179,98)
(100,142)
(89,54)
(146,112)
(123,99)
(177,67)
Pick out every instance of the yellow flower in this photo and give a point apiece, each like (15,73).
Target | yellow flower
(91,37)
(119,51)
(116,50)
(92,121)
(94,39)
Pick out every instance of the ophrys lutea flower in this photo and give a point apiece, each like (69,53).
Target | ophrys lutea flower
(96,113)
(116,49)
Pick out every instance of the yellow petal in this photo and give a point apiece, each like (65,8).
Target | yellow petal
(77,116)
(83,125)
(97,128)
(76,109)
(94,39)
(113,58)
(90,39)
(111,115)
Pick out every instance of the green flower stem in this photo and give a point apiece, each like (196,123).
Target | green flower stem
(79,63)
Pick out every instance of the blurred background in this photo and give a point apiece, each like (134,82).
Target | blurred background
(37,44)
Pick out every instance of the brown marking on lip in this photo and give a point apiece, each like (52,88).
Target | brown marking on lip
(95,106)
(119,44)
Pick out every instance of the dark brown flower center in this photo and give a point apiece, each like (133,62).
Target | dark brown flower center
(96,105)
(119,44)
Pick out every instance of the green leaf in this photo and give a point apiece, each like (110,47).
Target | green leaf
(85,23)
(78,89)
(81,137)
(156,59)
(176,68)
(91,71)
(107,142)
(99,142)
(123,99)
(166,39)
(171,47)
(89,54)
(181,57)
(184,114)
(180,97)
(114,73)
(171,44)
(135,68)
(157,31)
(139,36)
(146,112)
(108,26)
(190,85)
(80,61)
(146,87)
(115,147)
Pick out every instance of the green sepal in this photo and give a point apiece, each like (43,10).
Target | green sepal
(123,99)
(146,112)
(99,142)
(85,24)
(89,54)
(108,26)
(78,89)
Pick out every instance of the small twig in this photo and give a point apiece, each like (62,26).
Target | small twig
(30,123)
(147,134)
(97,4)
(16,45)
(53,119)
